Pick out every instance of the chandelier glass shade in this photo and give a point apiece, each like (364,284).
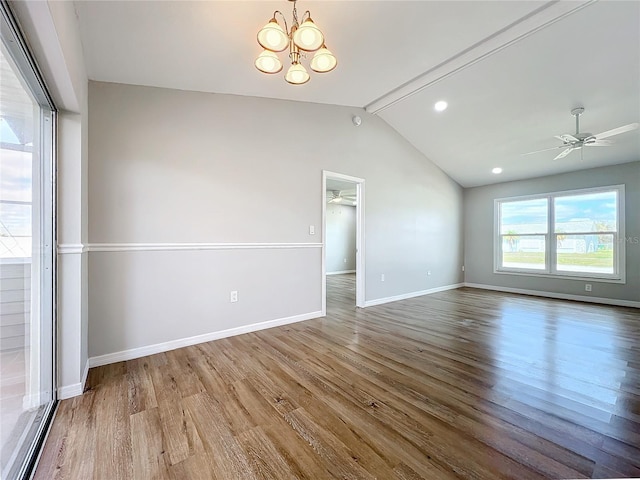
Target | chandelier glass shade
(268,62)
(300,39)
(297,74)
(273,37)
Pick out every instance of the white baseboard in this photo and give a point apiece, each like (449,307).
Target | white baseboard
(404,296)
(85,374)
(185,342)
(70,391)
(561,296)
(73,390)
(341,272)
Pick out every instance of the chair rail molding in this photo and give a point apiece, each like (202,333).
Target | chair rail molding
(132,247)
(71,248)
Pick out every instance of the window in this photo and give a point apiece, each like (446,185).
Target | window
(27,265)
(569,234)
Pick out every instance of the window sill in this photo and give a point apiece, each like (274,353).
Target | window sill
(561,276)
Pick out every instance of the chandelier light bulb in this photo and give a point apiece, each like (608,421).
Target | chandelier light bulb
(323,61)
(297,74)
(308,37)
(268,62)
(273,37)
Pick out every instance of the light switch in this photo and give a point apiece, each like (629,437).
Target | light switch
(312,230)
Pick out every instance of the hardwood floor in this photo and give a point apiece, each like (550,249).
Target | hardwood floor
(459,384)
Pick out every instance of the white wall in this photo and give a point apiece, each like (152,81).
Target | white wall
(341,238)
(479,232)
(178,168)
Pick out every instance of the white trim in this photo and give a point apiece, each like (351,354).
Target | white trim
(341,272)
(561,276)
(405,296)
(71,248)
(70,391)
(85,374)
(135,247)
(561,296)
(185,342)
(542,17)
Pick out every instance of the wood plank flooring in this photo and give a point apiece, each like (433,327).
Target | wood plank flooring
(459,384)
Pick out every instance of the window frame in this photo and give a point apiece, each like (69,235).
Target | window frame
(22,465)
(550,269)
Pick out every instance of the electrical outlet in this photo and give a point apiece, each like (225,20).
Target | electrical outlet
(382,277)
(587,287)
(233,296)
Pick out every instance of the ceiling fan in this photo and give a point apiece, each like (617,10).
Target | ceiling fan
(582,139)
(338,196)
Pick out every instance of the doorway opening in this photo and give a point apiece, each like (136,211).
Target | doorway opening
(343,239)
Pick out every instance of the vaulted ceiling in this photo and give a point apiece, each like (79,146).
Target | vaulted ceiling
(510,71)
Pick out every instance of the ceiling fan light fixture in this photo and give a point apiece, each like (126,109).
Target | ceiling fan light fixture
(323,61)
(297,74)
(268,62)
(273,37)
(308,36)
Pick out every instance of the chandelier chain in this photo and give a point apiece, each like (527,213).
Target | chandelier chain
(295,16)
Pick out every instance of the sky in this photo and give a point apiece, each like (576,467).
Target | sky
(15,186)
(592,207)
(15,166)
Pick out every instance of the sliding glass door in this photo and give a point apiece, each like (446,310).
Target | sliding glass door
(27,262)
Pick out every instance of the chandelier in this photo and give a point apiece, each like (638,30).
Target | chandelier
(303,38)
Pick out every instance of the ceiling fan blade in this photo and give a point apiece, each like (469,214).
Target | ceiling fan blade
(617,131)
(599,143)
(544,150)
(566,138)
(564,153)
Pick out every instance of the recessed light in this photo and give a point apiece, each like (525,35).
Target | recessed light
(496,170)
(441,106)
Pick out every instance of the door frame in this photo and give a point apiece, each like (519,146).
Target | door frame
(360,236)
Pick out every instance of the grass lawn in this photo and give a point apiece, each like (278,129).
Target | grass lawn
(594,259)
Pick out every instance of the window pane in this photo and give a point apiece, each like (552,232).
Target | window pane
(523,217)
(592,212)
(26,266)
(523,252)
(585,253)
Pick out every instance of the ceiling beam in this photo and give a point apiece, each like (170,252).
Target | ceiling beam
(546,15)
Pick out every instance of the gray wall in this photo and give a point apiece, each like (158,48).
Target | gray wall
(479,231)
(178,167)
(340,238)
